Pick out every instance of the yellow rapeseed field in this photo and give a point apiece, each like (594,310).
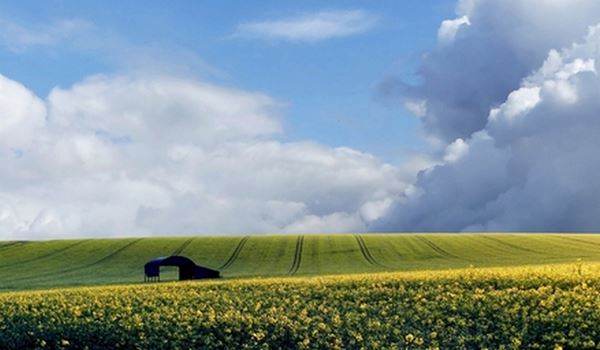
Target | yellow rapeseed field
(540,307)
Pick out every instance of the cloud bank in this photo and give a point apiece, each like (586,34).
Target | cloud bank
(151,154)
(310,27)
(514,92)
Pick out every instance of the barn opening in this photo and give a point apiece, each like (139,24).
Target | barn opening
(188,270)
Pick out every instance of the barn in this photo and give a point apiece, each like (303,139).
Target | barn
(188,270)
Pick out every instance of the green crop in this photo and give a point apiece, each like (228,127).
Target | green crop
(27,265)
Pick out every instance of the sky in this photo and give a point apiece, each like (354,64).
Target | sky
(326,82)
(194,117)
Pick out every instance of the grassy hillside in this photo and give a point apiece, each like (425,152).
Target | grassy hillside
(87,262)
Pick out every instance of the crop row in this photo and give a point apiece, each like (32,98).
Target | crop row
(549,307)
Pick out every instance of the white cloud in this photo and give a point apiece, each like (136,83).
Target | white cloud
(416,107)
(21,113)
(518,103)
(456,150)
(165,108)
(373,210)
(154,154)
(311,27)
(449,28)
(532,160)
(332,223)
(18,38)
(462,80)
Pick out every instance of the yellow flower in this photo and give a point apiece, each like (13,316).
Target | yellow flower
(258,335)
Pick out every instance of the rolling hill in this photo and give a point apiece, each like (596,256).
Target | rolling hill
(45,264)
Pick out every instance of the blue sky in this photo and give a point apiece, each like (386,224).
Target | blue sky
(328,86)
(136,118)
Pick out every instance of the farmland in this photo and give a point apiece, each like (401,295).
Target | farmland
(547,307)
(61,263)
(421,291)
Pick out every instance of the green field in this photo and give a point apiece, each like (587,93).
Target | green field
(45,264)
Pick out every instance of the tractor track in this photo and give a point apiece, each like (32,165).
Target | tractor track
(235,254)
(365,250)
(114,253)
(12,244)
(573,239)
(83,267)
(440,251)
(510,245)
(182,246)
(297,256)
(44,256)
(394,248)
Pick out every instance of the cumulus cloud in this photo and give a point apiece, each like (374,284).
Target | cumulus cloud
(311,27)
(465,77)
(456,150)
(22,113)
(449,28)
(522,151)
(154,154)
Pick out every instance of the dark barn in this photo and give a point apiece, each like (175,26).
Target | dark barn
(188,270)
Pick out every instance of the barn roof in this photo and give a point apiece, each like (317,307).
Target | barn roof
(187,268)
(170,260)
